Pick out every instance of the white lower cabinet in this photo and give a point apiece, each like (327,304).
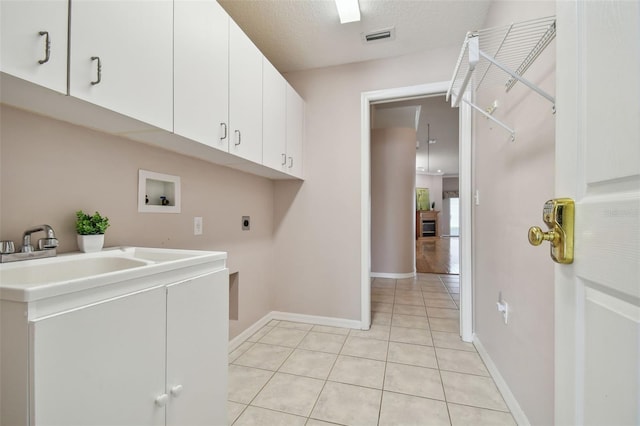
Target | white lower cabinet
(101,364)
(153,357)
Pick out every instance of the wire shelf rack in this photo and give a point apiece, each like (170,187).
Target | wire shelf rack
(500,55)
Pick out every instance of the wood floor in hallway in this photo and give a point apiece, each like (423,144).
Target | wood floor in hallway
(438,255)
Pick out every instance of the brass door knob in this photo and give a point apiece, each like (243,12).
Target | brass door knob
(558,215)
(537,236)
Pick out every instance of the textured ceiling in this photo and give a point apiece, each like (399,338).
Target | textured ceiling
(303,34)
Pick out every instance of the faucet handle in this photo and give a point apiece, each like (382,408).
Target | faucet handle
(7,247)
(47,243)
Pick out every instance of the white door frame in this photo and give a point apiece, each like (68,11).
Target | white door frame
(466,294)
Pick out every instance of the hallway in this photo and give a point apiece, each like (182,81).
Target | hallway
(409,368)
(438,255)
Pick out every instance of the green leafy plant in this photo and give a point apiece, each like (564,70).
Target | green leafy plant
(91,225)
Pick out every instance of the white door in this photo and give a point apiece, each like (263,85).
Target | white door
(201,72)
(103,364)
(121,57)
(245,96)
(197,336)
(33,41)
(274,117)
(295,132)
(597,313)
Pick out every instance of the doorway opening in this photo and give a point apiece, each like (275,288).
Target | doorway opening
(464,223)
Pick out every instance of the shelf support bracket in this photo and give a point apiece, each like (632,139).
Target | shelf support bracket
(519,78)
(492,118)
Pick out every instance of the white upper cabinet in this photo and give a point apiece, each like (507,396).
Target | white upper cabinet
(245,96)
(121,57)
(295,132)
(274,117)
(33,41)
(201,72)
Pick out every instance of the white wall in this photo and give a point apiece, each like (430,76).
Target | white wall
(515,179)
(318,239)
(50,169)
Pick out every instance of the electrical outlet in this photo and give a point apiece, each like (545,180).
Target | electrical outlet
(476,197)
(246,223)
(197,225)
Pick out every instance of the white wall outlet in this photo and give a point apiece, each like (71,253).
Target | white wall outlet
(476,197)
(503,307)
(197,225)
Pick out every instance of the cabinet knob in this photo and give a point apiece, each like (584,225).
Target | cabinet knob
(176,391)
(162,400)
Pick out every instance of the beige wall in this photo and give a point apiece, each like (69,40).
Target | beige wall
(50,169)
(318,239)
(450,184)
(393,163)
(514,180)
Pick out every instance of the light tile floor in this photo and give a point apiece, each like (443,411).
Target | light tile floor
(410,368)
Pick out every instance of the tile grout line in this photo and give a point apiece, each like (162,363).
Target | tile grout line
(386,359)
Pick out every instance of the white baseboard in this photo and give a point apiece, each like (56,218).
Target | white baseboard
(317,320)
(511,401)
(392,275)
(288,316)
(240,338)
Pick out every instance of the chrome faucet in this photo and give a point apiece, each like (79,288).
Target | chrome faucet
(46,246)
(49,242)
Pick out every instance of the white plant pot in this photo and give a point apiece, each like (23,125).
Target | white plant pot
(90,243)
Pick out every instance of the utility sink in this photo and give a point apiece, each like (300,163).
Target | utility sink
(67,269)
(30,280)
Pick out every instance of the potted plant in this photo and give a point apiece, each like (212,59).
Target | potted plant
(90,230)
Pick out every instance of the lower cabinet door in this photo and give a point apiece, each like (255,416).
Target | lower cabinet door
(197,338)
(103,364)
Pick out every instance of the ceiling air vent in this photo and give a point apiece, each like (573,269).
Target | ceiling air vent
(379,35)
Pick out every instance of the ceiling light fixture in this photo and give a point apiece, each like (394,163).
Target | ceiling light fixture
(349,10)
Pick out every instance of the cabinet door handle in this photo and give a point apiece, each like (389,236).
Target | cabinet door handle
(47,47)
(176,391)
(223,131)
(290,162)
(238,138)
(97,58)
(162,400)
(284,159)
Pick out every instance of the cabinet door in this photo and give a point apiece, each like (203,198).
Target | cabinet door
(197,340)
(295,132)
(201,72)
(132,41)
(102,364)
(245,96)
(274,118)
(26,26)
